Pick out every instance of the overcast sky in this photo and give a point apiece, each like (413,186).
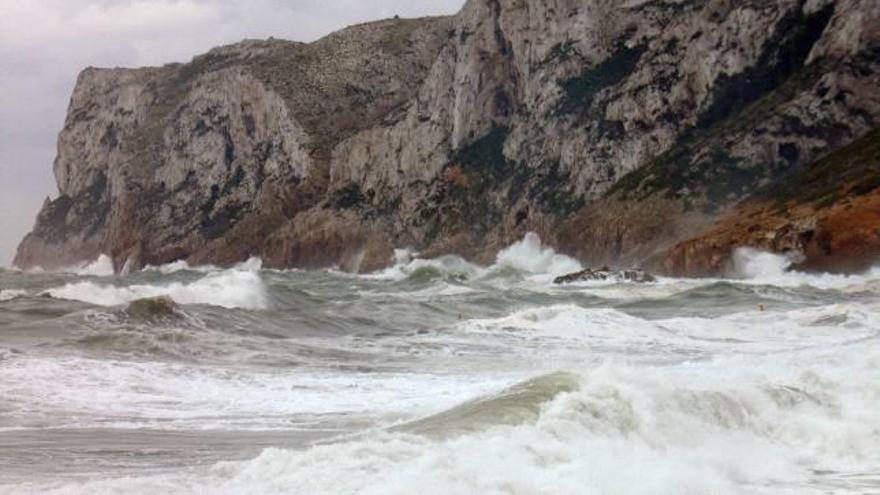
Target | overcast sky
(45,43)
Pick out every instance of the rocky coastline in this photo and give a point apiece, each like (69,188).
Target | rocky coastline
(655,133)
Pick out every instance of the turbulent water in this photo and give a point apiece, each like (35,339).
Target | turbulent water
(439,377)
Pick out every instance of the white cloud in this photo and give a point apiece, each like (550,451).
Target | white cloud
(45,43)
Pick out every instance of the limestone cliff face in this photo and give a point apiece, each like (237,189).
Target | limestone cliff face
(614,129)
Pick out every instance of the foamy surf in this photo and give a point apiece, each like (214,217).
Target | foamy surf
(6,295)
(445,267)
(775,269)
(528,257)
(179,266)
(233,288)
(182,396)
(439,376)
(532,257)
(609,430)
(252,264)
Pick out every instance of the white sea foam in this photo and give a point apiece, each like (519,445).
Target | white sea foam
(780,398)
(634,339)
(177,266)
(753,263)
(407,265)
(101,267)
(612,289)
(775,269)
(8,294)
(528,256)
(233,288)
(721,427)
(531,256)
(252,264)
(91,393)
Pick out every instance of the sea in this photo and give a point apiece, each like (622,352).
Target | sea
(438,376)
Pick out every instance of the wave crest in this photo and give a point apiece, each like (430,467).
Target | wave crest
(10,294)
(516,405)
(233,288)
(526,257)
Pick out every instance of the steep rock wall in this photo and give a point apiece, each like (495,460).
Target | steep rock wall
(614,129)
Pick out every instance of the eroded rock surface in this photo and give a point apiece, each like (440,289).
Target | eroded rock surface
(615,130)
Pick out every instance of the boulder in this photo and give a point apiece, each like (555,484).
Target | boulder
(605,273)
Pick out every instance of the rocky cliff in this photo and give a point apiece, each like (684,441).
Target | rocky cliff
(826,217)
(615,129)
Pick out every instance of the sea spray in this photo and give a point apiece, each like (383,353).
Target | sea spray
(753,263)
(531,256)
(101,267)
(776,269)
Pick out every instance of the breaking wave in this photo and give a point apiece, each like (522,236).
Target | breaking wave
(252,264)
(775,269)
(233,288)
(178,266)
(9,294)
(101,267)
(611,430)
(443,377)
(516,405)
(615,334)
(528,256)
(407,267)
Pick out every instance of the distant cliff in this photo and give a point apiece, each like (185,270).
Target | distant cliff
(620,131)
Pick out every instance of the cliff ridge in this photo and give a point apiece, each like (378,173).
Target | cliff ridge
(616,130)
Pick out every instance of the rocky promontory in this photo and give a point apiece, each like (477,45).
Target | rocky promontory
(642,132)
(826,217)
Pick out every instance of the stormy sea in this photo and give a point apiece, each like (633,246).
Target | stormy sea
(439,377)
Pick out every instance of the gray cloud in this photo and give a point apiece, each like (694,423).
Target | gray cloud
(45,43)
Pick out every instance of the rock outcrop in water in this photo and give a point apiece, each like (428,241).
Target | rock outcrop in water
(153,309)
(605,273)
(616,130)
